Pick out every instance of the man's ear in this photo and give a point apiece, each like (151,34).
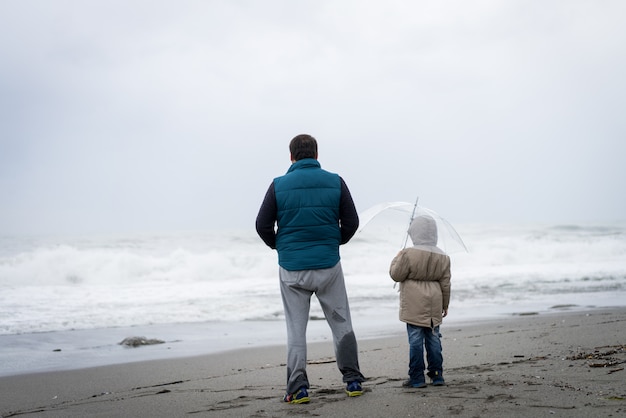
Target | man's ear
(291,157)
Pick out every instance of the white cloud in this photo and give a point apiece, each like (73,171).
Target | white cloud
(160,115)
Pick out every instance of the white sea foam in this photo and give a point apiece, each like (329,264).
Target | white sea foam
(62,283)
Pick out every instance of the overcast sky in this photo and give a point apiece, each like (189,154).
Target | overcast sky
(163,115)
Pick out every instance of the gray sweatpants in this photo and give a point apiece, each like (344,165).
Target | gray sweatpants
(328,285)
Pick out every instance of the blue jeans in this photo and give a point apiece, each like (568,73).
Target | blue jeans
(418,338)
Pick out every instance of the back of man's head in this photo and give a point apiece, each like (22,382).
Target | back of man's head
(303,146)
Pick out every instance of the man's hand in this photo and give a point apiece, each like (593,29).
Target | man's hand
(444,313)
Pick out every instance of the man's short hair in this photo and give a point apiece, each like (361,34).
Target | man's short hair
(303,146)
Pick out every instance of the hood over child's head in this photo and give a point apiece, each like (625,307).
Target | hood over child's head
(423,231)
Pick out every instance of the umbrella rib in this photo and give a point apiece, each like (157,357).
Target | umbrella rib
(406,238)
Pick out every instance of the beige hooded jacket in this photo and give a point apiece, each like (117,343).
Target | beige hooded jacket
(424,275)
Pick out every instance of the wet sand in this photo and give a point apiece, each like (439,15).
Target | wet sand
(567,364)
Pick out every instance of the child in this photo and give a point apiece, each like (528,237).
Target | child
(424,275)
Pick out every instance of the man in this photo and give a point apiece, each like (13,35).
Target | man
(314,214)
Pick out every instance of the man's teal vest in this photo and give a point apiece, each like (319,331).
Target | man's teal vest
(308,234)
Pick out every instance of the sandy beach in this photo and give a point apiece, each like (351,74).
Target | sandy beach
(558,364)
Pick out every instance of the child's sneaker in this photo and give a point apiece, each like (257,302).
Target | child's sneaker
(354,389)
(437,378)
(301,396)
(417,384)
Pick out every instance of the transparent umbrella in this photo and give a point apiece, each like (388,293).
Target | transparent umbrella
(448,239)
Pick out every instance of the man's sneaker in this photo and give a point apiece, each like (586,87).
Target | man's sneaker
(409,384)
(354,389)
(437,378)
(301,396)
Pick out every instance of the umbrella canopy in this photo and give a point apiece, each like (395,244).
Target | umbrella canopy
(448,239)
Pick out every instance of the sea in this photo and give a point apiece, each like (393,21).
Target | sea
(68,301)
